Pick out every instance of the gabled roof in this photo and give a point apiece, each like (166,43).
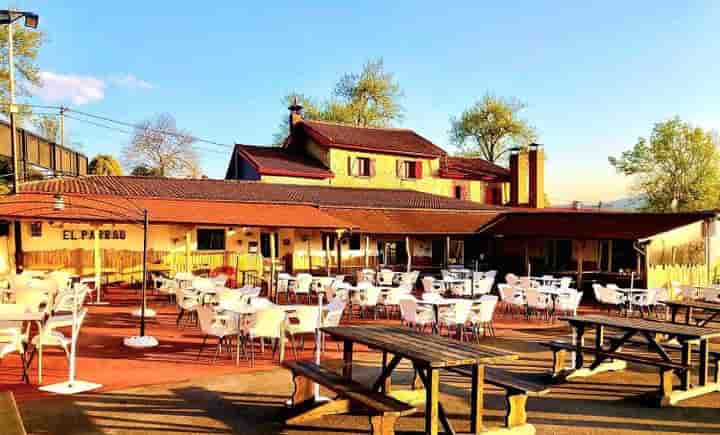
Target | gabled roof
(397,141)
(473,169)
(269,160)
(250,191)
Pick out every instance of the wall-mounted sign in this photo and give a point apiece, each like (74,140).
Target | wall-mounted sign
(90,234)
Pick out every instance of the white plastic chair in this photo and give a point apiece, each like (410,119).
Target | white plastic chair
(483,286)
(644,300)
(386,277)
(369,300)
(481,317)
(511,279)
(224,328)
(333,316)
(414,316)
(711,295)
(513,299)
(187,301)
(50,336)
(266,323)
(568,301)
(302,286)
(308,320)
(431,285)
(456,317)
(565,282)
(538,303)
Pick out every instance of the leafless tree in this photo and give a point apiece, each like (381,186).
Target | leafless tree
(158,143)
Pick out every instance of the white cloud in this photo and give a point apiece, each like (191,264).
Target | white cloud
(130,81)
(77,89)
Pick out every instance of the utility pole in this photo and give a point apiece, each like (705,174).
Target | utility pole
(13,109)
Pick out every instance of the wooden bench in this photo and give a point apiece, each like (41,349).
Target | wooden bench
(714,355)
(666,368)
(517,386)
(10,418)
(384,410)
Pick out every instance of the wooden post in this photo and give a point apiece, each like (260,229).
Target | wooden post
(580,259)
(326,244)
(339,253)
(17,236)
(526,258)
(476,399)
(409,253)
(97,261)
(367,251)
(271,284)
(610,255)
(447,251)
(187,252)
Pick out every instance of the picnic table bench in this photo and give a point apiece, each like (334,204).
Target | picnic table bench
(713,311)
(686,335)
(428,355)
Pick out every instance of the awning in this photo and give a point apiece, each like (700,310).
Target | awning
(582,224)
(417,222)
(167,211)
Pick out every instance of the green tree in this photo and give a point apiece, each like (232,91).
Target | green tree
(104,164)
(370,98)
(676,169)
(145,171)
(26,43)
(490,128)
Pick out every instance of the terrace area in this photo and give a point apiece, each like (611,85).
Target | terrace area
(173,389)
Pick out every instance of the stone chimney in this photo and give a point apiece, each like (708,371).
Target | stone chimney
(527,177)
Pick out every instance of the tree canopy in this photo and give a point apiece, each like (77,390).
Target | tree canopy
(677,168)
(159,143)
(145,171)
(370,98)
(26,44)
(490,128)
(48,127)
(104,164)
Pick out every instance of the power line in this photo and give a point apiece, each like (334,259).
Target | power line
(130,132)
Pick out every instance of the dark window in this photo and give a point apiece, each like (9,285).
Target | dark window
(458,192)
(392,253)
(409,169)
(265,245)
(328,239)
(35,229)
(355,241)
(4,229)
(438,252)
(363,166)
(211,239)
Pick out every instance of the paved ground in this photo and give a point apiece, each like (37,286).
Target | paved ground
(253,403)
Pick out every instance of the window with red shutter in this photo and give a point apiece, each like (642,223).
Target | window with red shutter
(372,167)
(418,170)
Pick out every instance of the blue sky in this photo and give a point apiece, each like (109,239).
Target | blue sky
(595,77)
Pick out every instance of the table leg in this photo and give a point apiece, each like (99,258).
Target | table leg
(436,325)
(579,340)
(476,399)
(347,359)
(673,313)
(704,362)
(431,403)
(282,342)
(686,359)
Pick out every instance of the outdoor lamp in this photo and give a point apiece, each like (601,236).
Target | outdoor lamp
(231,231)
(8,17)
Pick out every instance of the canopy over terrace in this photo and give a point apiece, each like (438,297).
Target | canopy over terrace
(593,236)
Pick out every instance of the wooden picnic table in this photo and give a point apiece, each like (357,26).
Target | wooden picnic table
(689,306)
(428,354)
(686,336)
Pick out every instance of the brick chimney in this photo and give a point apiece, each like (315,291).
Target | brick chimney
(295,113)
(527,177)
(536,161)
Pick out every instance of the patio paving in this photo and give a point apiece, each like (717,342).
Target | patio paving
(169,391)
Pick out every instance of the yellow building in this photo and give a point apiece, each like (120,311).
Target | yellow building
(340,155)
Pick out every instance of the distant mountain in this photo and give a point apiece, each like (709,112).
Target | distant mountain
(634,203)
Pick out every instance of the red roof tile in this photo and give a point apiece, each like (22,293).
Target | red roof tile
(82,207)
(472,168)
(279,161)
(372,139)
(250,191)
(413,221)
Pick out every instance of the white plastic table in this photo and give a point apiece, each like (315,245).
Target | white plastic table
(38,318)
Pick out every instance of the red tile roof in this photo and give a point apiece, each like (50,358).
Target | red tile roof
(413,221)
(83,207)
(269,160)
(473,169)
(584,224)
(250,191)
(372,139)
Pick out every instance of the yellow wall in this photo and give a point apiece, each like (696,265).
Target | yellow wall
(296,180)
(680,255)
(386,175)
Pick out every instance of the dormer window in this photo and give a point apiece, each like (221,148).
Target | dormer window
(409,169)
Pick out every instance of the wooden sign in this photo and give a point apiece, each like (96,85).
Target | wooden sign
(90,234)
